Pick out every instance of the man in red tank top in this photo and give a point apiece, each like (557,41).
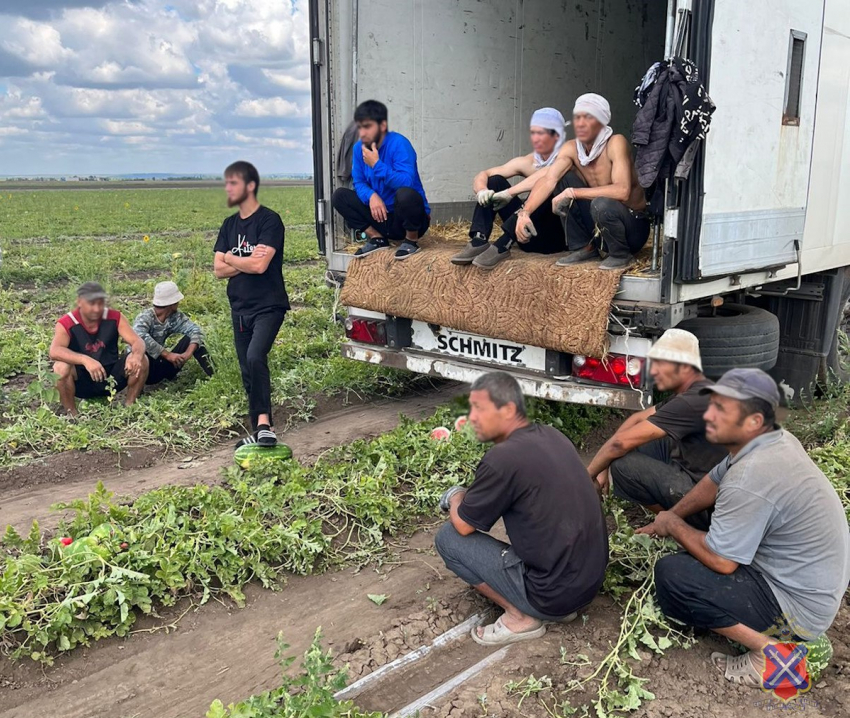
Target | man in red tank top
(85,351)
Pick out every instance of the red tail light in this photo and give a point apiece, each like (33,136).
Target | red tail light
(614,369)
(367,331)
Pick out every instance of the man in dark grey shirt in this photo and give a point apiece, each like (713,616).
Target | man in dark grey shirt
(534,480)
(659,454)
(776,561)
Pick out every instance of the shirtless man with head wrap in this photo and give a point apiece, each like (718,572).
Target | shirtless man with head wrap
(599,198)
(496,196)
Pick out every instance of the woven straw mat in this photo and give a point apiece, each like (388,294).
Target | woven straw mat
(525,299)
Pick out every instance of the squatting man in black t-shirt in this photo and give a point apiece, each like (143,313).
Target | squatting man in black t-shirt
(249,254)
(532,478)
(86,356)
(658,455)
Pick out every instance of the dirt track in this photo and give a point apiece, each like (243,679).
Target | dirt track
(219,651)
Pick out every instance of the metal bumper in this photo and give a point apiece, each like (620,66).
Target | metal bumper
(566,390)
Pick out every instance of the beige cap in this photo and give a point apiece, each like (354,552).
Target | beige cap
(679,346)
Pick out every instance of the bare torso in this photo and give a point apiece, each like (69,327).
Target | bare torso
(599,173)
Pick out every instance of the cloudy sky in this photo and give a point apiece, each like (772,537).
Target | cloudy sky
(120,86)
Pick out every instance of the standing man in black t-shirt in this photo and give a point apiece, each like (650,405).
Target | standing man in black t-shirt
(249,254)
(659,454)
(532,478)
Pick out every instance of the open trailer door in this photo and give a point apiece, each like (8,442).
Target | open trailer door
(744,208)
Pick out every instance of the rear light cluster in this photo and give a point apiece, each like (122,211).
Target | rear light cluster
(614,369)
(367,331)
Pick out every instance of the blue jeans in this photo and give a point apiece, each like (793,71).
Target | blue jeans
(479,558)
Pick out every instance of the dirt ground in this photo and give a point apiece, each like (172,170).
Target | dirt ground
(174,669)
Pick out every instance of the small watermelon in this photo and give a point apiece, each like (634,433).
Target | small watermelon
(460,422)
(249,454)
(818,656)
(441,433)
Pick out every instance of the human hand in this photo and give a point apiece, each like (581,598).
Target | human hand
(561,203)
(525,229)
(261,250)
(133,365)
(445,499)
(484,197)
(378,208)
(662,526)
(370,154)
(500,199)
(649,530)
(95,369)
(603,482)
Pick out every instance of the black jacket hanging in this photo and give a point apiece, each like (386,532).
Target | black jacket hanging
(675,111)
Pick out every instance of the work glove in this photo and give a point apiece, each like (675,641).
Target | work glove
(500,199)
(561,205)
(447,495)
(524,234)
(484,197)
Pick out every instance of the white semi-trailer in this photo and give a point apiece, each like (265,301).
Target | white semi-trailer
(755,244)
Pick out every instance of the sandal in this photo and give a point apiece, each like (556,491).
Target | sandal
(497,634)
(738,669)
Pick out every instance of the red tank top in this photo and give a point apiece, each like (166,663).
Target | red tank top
(102,344)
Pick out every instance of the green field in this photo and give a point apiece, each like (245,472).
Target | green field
(129,240)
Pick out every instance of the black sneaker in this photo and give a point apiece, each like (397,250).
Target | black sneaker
(266,436)
(372,245)
(407,248)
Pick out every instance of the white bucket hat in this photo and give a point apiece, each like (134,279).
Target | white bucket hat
(678,346)
(165,294)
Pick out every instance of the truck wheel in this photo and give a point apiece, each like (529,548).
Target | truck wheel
(737,336)
(835,366)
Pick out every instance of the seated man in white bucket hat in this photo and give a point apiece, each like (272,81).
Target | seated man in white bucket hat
(164,320)
(659,454)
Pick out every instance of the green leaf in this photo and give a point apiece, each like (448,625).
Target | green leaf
(377,598)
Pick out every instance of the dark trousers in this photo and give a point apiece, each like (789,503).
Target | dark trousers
(408,214)
(622,231)
(163,370)
(550,231)
(479,558)
(254,337)
(647,476)
(693,594)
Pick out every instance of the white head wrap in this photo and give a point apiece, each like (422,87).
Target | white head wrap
(598,107)
(549,119)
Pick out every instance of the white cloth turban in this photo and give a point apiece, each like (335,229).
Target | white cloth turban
(595,106)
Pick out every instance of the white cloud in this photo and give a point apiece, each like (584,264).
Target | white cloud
(127,85)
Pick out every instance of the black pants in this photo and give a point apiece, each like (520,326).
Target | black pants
(163,370)
(550,231)
(408,213)
(254,337)
(87,388)
(693,594)
(647,476)
(622,231)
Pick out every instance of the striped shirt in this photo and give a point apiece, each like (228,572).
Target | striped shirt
(154,332)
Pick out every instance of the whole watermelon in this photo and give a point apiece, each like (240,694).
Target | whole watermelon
(248,455)
(818,656)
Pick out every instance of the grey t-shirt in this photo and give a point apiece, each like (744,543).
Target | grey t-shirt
(777,512)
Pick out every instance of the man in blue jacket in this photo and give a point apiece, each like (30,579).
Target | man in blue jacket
(388,200)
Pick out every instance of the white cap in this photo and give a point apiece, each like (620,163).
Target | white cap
(678,346)
(165,294)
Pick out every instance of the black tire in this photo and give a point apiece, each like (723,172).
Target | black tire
(738,336)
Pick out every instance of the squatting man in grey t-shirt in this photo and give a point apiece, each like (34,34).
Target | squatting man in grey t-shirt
(775,561)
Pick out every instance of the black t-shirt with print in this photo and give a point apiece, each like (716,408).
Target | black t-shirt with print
(681,419)
(254,293)
(536,481)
